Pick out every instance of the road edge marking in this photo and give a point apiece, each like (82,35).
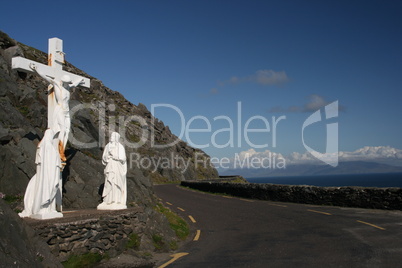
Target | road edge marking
(170,204)
(197,235)
(192,219)
(175,257)
(277,205)
(372,225)
(179,208)
(322,212)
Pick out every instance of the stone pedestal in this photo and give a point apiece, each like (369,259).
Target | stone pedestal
(112,206)
(46,216)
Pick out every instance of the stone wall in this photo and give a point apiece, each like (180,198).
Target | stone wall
(363,197)
(102,231)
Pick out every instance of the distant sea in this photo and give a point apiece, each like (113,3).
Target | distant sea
(364,180)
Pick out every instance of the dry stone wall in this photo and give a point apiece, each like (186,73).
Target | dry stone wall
(363,197)
(105,232)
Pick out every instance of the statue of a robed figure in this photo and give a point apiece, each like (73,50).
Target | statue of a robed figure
(115,188)
(43,196)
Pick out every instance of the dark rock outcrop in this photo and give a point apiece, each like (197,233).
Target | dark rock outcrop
(19,246)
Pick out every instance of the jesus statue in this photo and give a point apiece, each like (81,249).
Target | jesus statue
(61,112)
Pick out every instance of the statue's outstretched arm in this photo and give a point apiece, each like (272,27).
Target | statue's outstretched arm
(77,83)
(35,69)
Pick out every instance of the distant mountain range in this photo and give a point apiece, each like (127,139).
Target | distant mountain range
(349,167)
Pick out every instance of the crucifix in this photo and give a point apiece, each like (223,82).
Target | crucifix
(43,195)
(60,82)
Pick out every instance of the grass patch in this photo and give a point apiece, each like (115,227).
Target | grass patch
(10,199)
(201,191)
(168,182)
(133,241)
(158,241)
(146,255)
(85,260)
(24,110)
(173,245)
(133,138)
(177,224)
(158,178)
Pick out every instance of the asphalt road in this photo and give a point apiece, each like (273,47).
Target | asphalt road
(234,232)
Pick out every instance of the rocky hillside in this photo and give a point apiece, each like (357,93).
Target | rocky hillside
(95,113)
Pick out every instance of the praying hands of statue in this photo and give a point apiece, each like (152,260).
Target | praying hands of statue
(114,157)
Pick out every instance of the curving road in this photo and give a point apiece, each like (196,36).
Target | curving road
(234,232)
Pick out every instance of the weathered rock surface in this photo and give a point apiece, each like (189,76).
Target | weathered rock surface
(95,112)
(19,246)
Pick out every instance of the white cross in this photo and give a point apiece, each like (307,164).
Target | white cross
(54,70)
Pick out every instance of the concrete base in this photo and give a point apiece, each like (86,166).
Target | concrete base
(44,216)
(113,206)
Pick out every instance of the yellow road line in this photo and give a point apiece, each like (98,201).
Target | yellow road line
(169,203)
(373,225)
(273,204)
(225,196)
(246,200)
(197,235)
(192,219)
(180,209)
(175,258)
(325,213)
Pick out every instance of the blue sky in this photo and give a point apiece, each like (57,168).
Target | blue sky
(278,58)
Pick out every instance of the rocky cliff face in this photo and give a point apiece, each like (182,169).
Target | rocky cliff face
(95,113)
(20,247)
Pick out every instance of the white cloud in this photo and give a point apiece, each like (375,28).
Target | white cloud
(315,103)
(367,153)
(269,77)
(253,159)
(262,77)
(253,153)
(214,91)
